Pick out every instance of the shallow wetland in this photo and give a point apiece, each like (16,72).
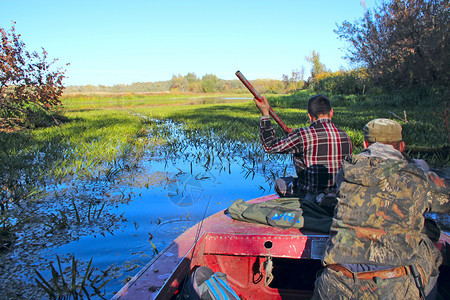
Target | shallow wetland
(104,206)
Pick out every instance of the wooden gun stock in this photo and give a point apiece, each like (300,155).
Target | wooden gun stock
(258,96)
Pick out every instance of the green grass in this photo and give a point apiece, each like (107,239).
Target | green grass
(126,100)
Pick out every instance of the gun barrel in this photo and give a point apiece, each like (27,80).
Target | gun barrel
(258,96)
(249,86)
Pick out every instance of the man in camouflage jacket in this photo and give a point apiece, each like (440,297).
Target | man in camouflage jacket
(376,234)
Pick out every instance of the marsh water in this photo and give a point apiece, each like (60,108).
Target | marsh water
(113,227)
(121,222)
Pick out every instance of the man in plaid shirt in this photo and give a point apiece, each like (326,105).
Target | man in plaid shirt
(318,150)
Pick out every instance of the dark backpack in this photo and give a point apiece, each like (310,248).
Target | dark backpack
(204,284)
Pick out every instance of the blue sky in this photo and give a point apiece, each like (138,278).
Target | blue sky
(112,42)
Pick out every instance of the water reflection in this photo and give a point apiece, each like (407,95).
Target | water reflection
(122,221)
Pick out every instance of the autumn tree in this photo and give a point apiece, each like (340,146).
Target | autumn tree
(295,81)
(178,83)
(402,43)
(194,83)
(191,78)
(26,79)
(212,84)
(274,86)
(316,66)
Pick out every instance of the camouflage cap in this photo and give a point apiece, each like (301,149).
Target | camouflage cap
(383,131)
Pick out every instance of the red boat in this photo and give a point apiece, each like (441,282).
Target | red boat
(240,250)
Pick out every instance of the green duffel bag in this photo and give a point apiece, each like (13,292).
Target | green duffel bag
(282,212)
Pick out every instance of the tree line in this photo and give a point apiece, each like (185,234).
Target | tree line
(191,83)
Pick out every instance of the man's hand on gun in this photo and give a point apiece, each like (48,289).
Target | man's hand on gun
(263,105)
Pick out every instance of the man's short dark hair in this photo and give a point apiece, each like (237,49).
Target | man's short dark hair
(319,104)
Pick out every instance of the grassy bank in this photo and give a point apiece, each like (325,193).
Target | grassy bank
(86,101)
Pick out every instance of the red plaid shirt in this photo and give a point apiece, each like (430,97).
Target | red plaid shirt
(318,151)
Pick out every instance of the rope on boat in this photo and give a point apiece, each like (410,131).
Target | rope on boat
(268,266)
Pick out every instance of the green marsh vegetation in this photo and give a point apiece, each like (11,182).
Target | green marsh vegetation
(61,182)
(422,113)
(70,283)
(425,129)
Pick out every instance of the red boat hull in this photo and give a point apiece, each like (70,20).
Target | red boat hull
(238,249)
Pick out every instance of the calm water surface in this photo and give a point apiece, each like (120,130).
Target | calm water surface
(181,193)
(146,210)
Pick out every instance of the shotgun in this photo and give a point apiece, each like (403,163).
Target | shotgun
(258,97)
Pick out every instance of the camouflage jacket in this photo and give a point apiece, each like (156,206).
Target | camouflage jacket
(379,217)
